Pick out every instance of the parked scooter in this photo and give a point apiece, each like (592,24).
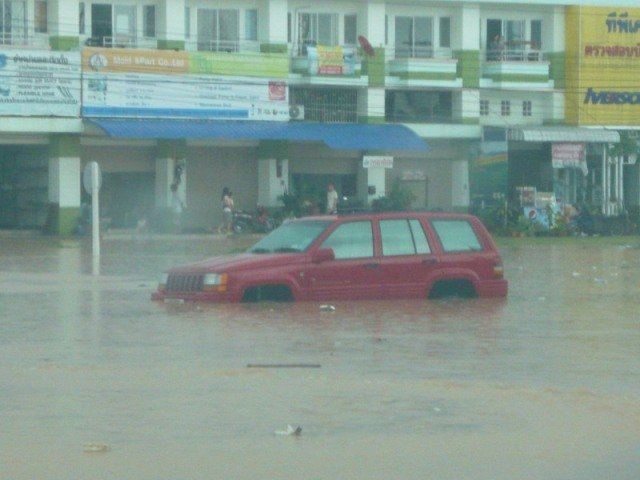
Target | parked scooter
(260,222)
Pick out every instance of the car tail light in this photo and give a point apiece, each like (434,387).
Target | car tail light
(498,271)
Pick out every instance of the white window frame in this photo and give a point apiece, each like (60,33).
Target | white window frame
(505,108)
(415,51)
(485,108)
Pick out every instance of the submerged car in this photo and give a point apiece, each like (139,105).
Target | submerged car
(365,256)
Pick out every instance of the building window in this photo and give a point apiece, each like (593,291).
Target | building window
(41,20)
(526,108)
(536,34)
(187,22)
(414,37)
(251,25)
(505,108)
(445,32)
(350,29)
(484,108)
(337,105)
(218,30)
(317,29)
(149,12)
(125,23)
(81,18)
(418,106)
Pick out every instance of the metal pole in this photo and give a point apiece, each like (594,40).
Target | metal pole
(604,179)
(95,218)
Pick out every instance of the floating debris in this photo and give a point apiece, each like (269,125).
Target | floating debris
(576,274)
(284,365)
(290,431)
(327,308)
(96,448)
(599,280)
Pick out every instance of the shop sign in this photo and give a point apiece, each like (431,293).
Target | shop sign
(331,60)
(569,155)
(160,85)
(39,83)
(603,51)
(369,161)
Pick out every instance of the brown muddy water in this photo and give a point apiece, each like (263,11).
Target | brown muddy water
(542,385)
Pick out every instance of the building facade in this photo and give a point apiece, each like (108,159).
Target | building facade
(268,97)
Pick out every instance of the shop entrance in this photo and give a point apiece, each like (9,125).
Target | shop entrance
(419,193)
(24,180)
(126,197)
(313,187)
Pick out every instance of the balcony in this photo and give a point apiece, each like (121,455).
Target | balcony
(123,41)
(326,65)
(228,46)
(422,66)
(523,66)
(22,40)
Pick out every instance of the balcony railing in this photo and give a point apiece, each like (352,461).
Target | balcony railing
(230,46)
(513,55)
(122,41)
(23,40)
(417,52)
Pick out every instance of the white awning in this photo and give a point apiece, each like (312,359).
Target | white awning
(564,134)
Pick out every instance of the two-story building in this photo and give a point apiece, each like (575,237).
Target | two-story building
(274,96)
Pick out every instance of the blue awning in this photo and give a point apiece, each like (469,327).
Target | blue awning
(340,136)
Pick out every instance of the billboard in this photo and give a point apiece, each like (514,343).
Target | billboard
(331,60)
(150,83)
(39,83)
(602,62)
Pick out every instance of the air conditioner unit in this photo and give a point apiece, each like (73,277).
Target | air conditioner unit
(296,112)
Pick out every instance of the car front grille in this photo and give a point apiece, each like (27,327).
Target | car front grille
(184,283)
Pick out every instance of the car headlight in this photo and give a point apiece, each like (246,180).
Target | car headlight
(215,281)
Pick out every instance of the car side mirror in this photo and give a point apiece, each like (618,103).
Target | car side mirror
(324,255)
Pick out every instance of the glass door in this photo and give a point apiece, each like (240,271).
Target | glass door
(125,25)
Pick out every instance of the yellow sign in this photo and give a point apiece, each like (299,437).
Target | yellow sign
(602,65)
(135,61)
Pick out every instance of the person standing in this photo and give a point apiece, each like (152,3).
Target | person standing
(227,210)
(332,200)
(177,207)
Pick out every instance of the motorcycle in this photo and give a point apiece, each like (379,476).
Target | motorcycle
(260,222)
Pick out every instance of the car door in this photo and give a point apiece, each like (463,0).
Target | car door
(463,254)
(354,273)
(407,263)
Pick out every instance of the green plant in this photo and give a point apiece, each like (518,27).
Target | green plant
(398,199)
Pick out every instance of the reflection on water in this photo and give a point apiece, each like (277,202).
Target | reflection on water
(544,384)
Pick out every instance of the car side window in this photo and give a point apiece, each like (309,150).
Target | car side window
(351,240)
(402,237)
(456,235)
(422,245)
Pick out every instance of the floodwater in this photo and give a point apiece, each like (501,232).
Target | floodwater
(544,384)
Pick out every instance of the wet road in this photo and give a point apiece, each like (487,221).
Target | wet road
(545,384)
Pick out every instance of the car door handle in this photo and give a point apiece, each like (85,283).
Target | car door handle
(371,266)
(429,261)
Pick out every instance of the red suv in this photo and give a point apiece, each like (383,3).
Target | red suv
(367,256)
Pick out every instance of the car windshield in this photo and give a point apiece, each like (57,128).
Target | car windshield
(294,236)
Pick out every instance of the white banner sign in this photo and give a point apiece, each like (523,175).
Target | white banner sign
(377,162)
(191,96)
(569,155)
(39,83)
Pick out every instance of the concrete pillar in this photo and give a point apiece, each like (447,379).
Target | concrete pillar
(465,42)
(64,185)
(371,23)
(63,25)
(371,105)
(170,24)
(553,45)
(272,25)
(273,181)
(460,184)
(374,178)
(466,105)
(171,167)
